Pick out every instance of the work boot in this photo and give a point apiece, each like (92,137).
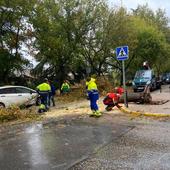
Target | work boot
(108,108)
(97,113)
(92,113)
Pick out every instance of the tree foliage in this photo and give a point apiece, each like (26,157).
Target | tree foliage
(79,37)
(13,15)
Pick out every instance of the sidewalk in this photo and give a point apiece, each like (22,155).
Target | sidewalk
(156,96)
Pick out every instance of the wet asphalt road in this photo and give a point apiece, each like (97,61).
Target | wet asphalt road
(113,142)
(56,145)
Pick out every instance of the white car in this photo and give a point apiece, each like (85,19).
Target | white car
(17,95)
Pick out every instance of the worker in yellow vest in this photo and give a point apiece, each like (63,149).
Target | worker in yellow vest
(93,96)
(65,87)
(44,90)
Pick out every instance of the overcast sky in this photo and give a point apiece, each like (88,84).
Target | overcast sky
(153,4)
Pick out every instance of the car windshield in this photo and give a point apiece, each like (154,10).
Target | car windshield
(146,74)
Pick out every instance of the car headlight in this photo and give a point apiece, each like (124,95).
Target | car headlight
(148,82)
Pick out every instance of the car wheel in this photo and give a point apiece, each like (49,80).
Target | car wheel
(38,101)
(2,105)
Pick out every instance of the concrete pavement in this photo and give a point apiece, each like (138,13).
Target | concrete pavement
(152,110)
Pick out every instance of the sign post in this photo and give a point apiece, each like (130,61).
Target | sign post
(122,55)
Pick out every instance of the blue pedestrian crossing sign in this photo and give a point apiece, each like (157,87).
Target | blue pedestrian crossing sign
(122,53)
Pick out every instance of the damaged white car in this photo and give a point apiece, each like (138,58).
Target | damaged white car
(17,95)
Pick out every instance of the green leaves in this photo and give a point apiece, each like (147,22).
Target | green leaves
(13,26)
(80,36)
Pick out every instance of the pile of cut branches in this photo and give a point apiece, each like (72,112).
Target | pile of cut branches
(15,113)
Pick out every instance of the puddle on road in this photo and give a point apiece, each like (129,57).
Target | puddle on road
(34,128)
(57,144)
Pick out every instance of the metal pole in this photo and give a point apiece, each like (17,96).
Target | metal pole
(124,85)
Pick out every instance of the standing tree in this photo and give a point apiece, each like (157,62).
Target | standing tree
(13,16)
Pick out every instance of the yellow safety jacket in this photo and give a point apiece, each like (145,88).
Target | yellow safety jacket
(87,82)
(91,85)
(44,87)
(65,86)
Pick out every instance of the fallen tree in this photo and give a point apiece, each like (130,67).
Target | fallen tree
(142,97)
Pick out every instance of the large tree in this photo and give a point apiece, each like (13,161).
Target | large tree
(64,31)
(13,17)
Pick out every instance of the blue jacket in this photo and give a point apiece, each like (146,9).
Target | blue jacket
(53,89)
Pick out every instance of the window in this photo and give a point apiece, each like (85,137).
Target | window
(22,90)
(9,90)
(143,74)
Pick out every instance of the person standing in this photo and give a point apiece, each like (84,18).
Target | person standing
(65,87)
(52,93)
(44,90)
(93,96)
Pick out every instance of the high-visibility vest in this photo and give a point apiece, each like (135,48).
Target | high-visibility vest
(44,87)
(65,86)
(91,85)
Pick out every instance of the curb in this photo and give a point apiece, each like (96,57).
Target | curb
(125,110)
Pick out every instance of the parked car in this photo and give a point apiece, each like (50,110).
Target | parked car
(167,78)
(163,78)
(143,78)
(17,95)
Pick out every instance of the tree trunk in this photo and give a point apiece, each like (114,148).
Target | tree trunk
(137,97)
(142,97)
